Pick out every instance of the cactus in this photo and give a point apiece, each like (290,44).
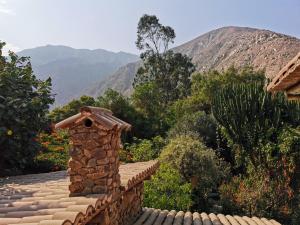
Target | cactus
(249,116)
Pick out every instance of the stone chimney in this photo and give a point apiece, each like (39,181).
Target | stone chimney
(95,141)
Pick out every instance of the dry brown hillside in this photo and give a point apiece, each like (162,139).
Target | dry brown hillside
(219,49)
(240,46)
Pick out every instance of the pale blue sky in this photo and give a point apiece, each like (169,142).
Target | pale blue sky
(111,24)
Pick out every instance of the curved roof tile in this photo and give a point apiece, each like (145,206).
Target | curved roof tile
(43,199)
(152,216)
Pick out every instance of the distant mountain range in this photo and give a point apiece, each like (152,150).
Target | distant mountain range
(220,49)
(74,70)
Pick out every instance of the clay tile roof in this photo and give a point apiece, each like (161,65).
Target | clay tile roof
(43,199)
(101,115)
(288,77)
(151,216)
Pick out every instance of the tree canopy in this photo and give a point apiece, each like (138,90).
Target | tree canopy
(24,103)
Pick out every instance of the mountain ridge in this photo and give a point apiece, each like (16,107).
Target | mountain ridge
(219,49)
(74,70)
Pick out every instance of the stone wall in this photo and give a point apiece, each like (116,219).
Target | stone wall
(124,210)
(94,162)
(131,204)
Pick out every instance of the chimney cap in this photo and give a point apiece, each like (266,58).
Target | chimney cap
(100,115)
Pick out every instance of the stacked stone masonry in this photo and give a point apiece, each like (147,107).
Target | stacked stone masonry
(94,163)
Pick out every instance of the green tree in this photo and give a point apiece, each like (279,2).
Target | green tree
(206,84)
(122,108)
(168,70)
(24,103)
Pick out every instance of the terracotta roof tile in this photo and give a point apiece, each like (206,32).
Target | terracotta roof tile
(101,115)
(43,199)
(163,217)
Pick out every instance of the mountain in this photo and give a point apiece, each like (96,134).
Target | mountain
(74,70)
(220,49)
(121,81)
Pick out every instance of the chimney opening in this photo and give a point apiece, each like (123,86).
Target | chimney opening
(88,123)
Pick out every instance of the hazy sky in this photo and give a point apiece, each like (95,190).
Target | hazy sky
(111,24)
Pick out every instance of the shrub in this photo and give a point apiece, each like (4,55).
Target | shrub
(268,190)
(196,164)
(296,211)
(166,190)
(145,150)
(251,118)
(257,194)
(54,155)
(199,124)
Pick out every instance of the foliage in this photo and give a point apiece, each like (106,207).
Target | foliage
(199,124)
(145,99)
(258,194)
(54,155)
(145,150)
(24,102)
(171,74)
(114,101)
(164,76)
(252,117)
(260,128)
(268,190)
(173,151)
(166,190)
(60,113)
(205,85)
(295,218)
(196,164)
(152,36)
(122,108)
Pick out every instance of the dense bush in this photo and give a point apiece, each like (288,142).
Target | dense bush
(252,117)
(196,164)
(173,151)
(54,154)
(166,190)
(199,124)
(24,103)
(145,150)
(261,129)
(258,194)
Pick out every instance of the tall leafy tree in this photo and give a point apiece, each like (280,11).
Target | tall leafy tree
(168,70)
(24,103)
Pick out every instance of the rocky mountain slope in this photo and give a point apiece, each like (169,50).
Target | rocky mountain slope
(219,49)
(74,70)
